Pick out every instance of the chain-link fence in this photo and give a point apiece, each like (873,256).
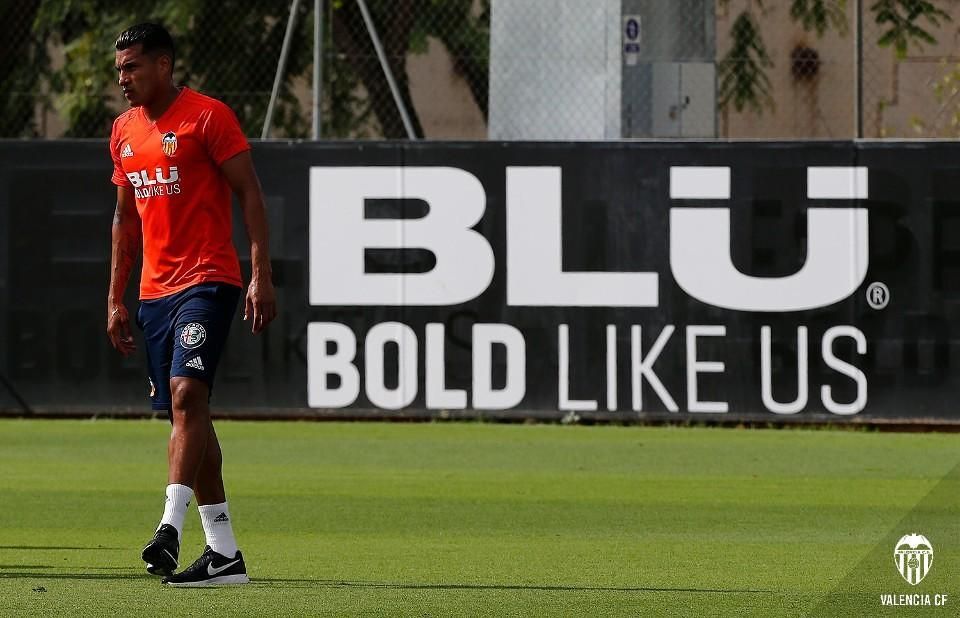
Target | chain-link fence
(838,69)
(508,69)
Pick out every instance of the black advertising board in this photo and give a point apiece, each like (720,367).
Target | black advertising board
(622,281)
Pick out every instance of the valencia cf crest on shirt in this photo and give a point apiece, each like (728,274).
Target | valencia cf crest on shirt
(169,142)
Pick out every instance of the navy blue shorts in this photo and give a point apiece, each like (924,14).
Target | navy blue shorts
(185,334)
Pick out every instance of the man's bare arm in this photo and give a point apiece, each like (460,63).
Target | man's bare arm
(261,301)
(123,255)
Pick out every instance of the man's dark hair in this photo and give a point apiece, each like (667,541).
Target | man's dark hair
(153,37)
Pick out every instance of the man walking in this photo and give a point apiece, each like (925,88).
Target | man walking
(177,157)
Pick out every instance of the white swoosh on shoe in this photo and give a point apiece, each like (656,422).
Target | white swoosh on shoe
(214,571)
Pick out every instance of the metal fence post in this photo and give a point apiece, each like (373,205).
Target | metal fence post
(281,66)
(317,68)
(387,72)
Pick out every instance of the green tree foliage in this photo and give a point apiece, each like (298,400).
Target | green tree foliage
(819,15)
(743,79)
(946,91)
(17,64)
(224,48)
(229,49)
(902,20)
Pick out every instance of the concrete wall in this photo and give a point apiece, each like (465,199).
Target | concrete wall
(898,96)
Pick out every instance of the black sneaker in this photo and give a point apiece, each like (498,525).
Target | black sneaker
(211,569)
(161,553)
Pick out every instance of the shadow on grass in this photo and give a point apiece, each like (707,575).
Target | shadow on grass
(78,576)
(331,583)
(57,547)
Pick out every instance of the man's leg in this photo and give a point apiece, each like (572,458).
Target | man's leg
(190,417)
(221,562)
(191,430)
(212,501)
(154,318)
(202,324)
(209,489)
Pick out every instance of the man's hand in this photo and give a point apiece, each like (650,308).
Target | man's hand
(261,303)
(118,330)
(123,253)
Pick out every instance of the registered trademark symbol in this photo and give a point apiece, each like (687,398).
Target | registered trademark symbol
(878,295)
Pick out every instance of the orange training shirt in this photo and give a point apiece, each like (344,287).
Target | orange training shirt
(184,201)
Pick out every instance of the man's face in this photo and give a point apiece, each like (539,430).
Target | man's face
(141,76)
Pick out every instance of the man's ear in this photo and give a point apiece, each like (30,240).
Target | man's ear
(165,64)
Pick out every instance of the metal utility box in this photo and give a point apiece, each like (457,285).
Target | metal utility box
(668,83)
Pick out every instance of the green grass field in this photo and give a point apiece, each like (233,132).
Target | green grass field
(475,519)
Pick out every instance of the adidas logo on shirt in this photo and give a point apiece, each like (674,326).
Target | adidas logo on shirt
(127,151)
(222,517)
(195,363)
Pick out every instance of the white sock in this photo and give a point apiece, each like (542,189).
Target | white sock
(218,529)
(178,499)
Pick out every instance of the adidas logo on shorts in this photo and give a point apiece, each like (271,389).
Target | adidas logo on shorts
(195,363)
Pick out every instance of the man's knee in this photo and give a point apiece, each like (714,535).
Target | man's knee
(188,395)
